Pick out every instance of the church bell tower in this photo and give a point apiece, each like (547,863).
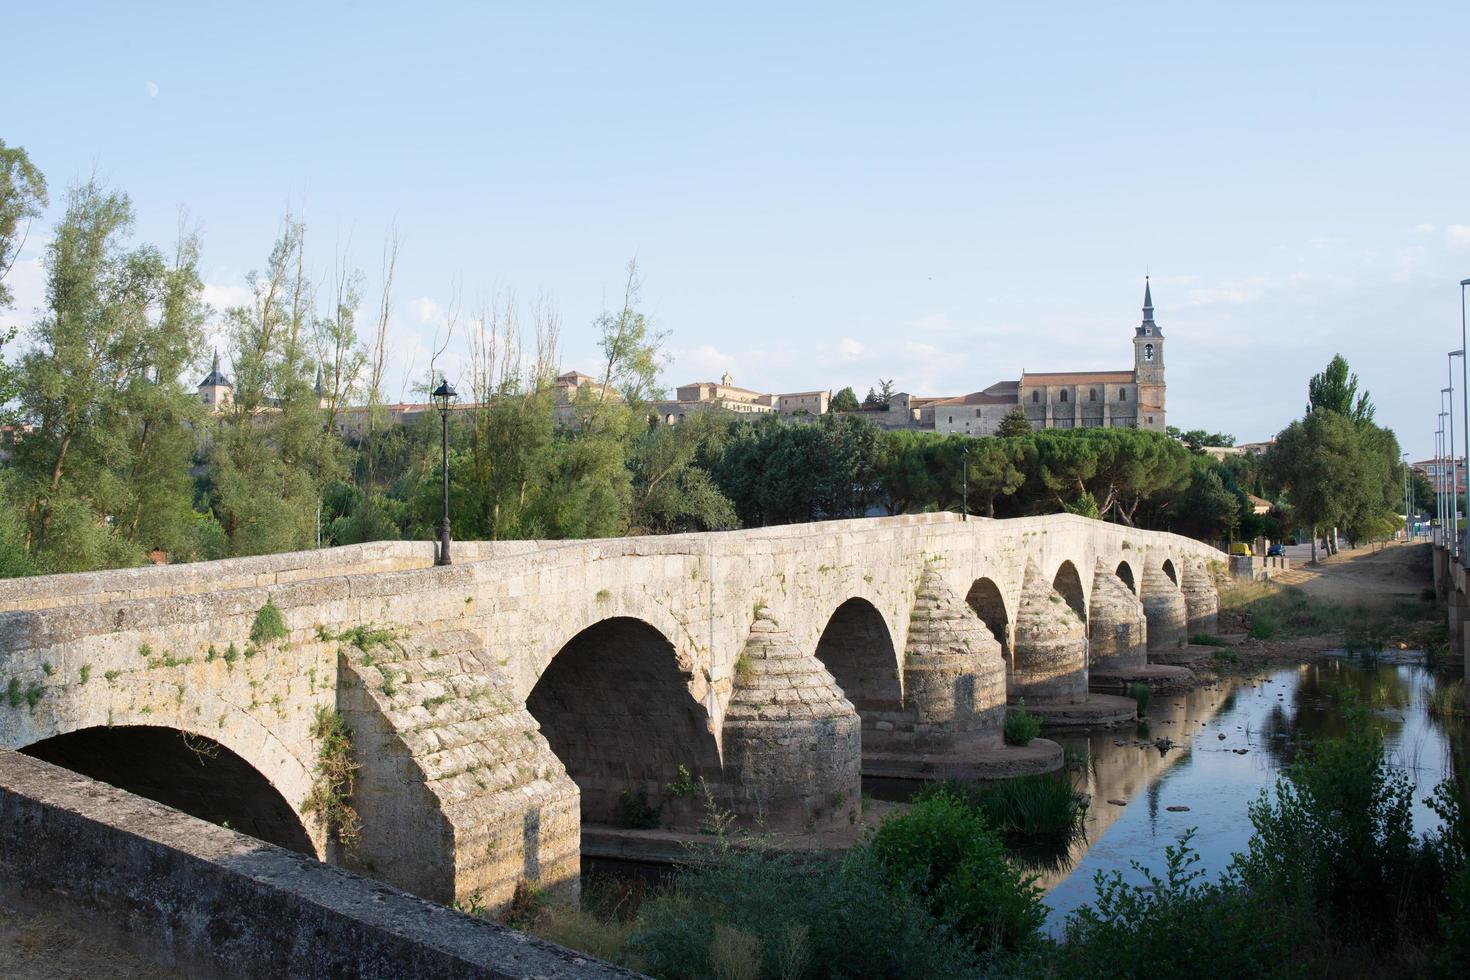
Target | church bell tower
(1148,366)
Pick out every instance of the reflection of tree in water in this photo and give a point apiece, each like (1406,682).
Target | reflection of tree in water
(1316,712)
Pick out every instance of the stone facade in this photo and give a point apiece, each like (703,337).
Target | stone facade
(1201,600)
(533,679)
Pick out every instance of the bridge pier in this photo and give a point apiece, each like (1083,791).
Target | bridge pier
(1119,640)
(792,742)
(954,687)
(1201,599)
(1050,670)
(1458,620)
(1165,607)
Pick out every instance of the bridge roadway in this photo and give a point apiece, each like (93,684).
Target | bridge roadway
(497,704)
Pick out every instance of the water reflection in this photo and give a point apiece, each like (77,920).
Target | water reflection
(1231,740)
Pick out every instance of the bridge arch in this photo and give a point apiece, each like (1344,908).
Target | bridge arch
(1170,571)
(618,709)
(857,649)
(184,770)
(1124,571)
(988,602)
(1069,584)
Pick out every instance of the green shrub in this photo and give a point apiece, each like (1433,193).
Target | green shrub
(269,625)
(956,864)
(1021,727)
(1036,813)
(1227,656)
(779,914)
(635,812)
(1339,839)
(1206,640)
(1143,694)
(1174,926)
(1448,699)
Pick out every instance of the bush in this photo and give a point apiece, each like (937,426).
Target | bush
(1339,840)
(1021,727)
(944,851)
(1043,811)
(635,812)
(1174,926)
(748,912)
(1206,640)
(1143,694)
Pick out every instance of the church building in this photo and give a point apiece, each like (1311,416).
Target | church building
(1062,399)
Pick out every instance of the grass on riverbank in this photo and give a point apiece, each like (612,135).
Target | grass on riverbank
(1285,612)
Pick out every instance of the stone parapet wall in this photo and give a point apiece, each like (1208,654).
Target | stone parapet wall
(210,902)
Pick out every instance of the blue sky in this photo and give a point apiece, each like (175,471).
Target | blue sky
(942,194)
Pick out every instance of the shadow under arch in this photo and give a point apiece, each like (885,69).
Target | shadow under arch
(858,652)
(985,598)
(1069,584)
(188,772)
(616,708)
(1124,571)
(1170,571)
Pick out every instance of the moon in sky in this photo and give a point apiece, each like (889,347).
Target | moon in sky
(151,88)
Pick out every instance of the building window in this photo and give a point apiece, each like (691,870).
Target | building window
(1148,352)
(1035,397)
(1122,396)
(951,420)
(1092,394)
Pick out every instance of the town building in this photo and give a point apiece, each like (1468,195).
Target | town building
(1055,399)
(701,396)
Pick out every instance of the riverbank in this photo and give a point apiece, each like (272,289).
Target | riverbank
(1376,600)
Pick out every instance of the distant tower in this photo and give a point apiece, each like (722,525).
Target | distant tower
(215,390)
(1148,365)
(320,389)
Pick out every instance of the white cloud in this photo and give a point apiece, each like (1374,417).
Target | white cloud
(920,350)
(850,348)
(150,89)
(1458,234)
(1424,229)
(427,310)
(222,296)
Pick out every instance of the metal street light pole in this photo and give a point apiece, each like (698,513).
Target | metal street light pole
(1465,397)
(1408,520)
(443,395)
(1454,460)
(965,484)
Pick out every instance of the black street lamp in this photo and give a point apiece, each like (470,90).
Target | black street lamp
(442,396)
(965,486)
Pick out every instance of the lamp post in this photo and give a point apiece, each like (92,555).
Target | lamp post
(1454,543)
(443,395)
(1408,520)
(965,484)
(1465,399)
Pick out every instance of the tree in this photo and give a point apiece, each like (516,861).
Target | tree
(104,471)
(871,402)
(673,490)
(1014,424)
(1312,463)
(1335,389)
(22,199)
(632,347)
(845,401)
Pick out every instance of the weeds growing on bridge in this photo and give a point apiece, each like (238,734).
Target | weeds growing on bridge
(1142,695)
(331,795)
(269,625)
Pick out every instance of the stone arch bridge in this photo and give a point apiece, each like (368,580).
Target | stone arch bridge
(497,704)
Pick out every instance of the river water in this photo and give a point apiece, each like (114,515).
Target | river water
(1268,715)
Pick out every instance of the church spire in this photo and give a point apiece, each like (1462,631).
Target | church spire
(1148,327)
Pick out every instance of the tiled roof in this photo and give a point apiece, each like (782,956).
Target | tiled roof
(1078,378)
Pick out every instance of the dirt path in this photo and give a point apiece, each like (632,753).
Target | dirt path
(1372,575)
